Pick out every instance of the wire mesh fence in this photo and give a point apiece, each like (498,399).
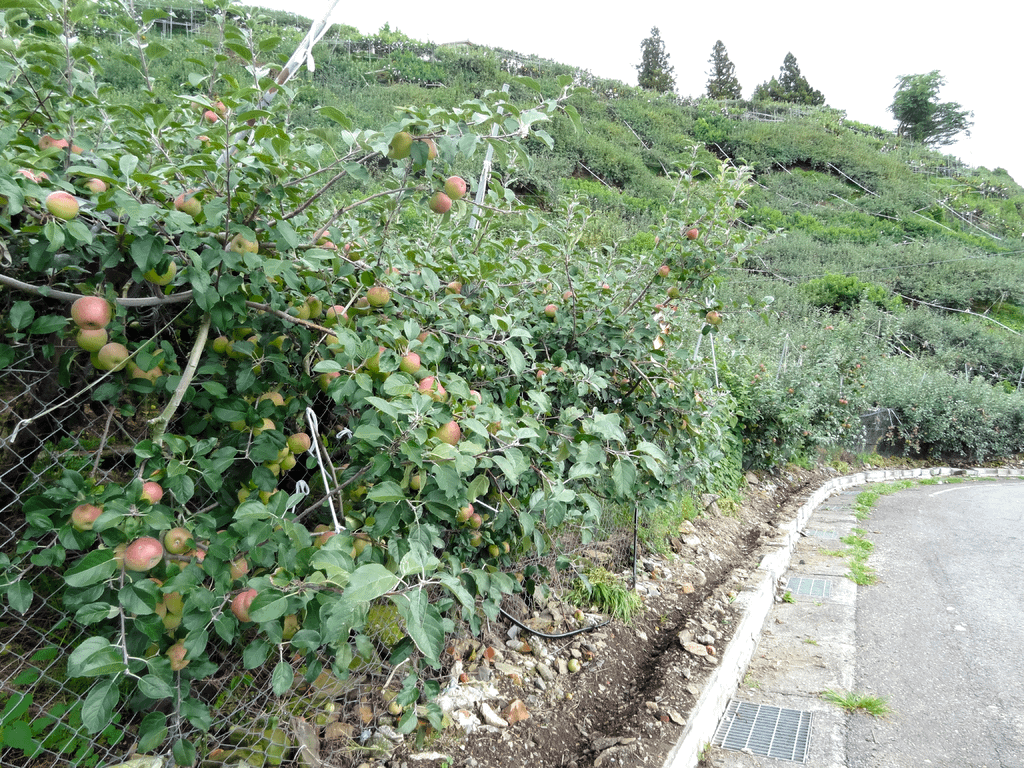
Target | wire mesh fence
(49,427)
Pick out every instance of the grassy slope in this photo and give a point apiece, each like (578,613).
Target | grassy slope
(924,240)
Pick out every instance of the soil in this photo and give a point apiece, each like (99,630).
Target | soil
(638,684)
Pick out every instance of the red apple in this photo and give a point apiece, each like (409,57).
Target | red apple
(692,234)
(378,296)
(187,202)
(152,492)
(439,203)
(143,553)
(83,517)
(455,187)
(241,602)
(176,653)
(551,310)
(91,313)
(96,186)
(410,363)
(449,433)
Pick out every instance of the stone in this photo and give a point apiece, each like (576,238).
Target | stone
(491,717)
(515,712)
(339,731)
(687,588)
(465,720)
(676,717)
(546,673)
(563,666)
(695,648)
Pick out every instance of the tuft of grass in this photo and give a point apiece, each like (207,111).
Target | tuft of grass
(876,706)
(788,597)
(604,590)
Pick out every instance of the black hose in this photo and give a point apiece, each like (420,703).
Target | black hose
(532,631)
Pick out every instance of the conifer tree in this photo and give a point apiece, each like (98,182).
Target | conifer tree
(722,82)
(790,86)
(655,72)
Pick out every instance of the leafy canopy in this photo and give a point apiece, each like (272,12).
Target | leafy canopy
(920,114)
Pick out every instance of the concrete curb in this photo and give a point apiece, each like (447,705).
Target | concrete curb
(756,602)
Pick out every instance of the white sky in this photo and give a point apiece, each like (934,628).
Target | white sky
(851,52)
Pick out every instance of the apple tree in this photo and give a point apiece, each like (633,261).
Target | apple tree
(356,400)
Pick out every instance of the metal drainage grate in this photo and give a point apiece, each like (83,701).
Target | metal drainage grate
(783,734)
(799,586)
(822,534)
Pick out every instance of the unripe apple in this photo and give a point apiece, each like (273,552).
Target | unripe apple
(152,492)
(664,270)
(288,462)
(83,517)
(91,340)
(410,363)
(567,295)
(431,148)
(96,186)
(475,521)
(62,205)
(239,567)
(494,550)
(713,318)
(551,310)
(416,482)
(335,315)
(464,514)
(439,203)
(240,604)
(316,307)
(455,187)
(693,233)
(187,202)
(91,313)
(449,433)
(400,145)
(174,602)
(176,540)
(143,553)
(239,244)
(454,287)
(151,375)
(378,296)
(290,626)
(162,278)
(112,356)
(325,379)
(300,442)
(373,362)
(673,292)
(476,539)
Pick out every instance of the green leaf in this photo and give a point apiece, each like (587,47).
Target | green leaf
(48,324)
(282,678)
(184,752)
(97,566)
(152,732)
(79,231)
(335,114)
(155,687)
(19,596)
(255,653)
(368,582)
(21,315)
(98,707)
(386,491)
(268,606)
(423,623)
(516,361)
(95,657)
(624,476)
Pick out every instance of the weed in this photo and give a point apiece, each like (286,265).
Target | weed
(810,641)
(788,597)
(604,590)
(875,706)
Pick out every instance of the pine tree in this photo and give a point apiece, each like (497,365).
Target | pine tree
(790,86)
(722,82)
(655,72)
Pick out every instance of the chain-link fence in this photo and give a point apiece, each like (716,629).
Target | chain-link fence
(49,424)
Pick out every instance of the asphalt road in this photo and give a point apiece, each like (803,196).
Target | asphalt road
(941,635)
